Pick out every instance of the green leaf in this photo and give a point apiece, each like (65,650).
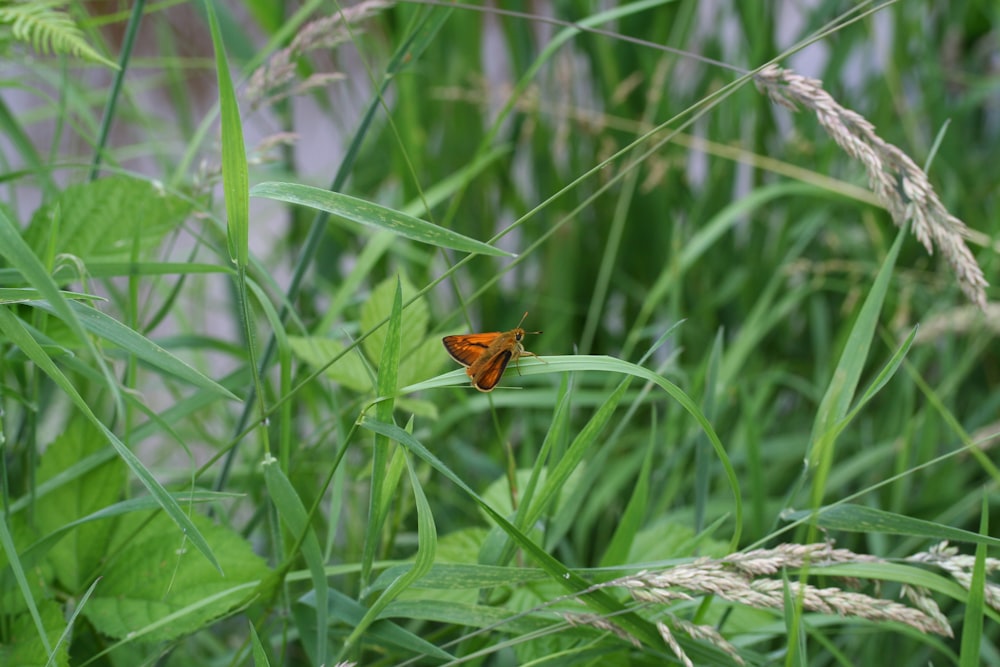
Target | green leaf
(349,370)
(606,364)
(620,545)
(97,221)
(292,513)
(18,335)
(426,547)
(138,345)
(860,519)
(259,652)
(600,601)
(422,361)
(12,295)
(574,455)
(350,612)
(374,216)
(384,477)
(77,556)
(377,308)
(23,645)
(48,28)
(235,176)
(846,375)
(41,547)
(155,590)
(975,606)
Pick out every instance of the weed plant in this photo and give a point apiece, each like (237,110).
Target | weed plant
(758,238)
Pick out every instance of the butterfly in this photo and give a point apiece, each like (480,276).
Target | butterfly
(486,355)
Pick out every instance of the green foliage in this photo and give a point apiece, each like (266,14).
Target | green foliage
(231,434)
(48,28)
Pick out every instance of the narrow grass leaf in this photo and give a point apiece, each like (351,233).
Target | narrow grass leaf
(560,473)
(975,605)
(426,548)
(911,575)
(65,639)
(463,576)
(620,544)
(884,375)
(703,468)
(17,567)
(136,344)
(235,176)
(374,216)
(21,257)
(13,295)
(379,501)
(794,630)
(847,373)
(350,612)
(857,518)
(556,433)
(293,514)
(257,648)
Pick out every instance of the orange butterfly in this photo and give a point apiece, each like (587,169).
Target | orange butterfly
(486,355)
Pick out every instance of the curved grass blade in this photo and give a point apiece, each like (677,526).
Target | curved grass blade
(134,343)
(373,215)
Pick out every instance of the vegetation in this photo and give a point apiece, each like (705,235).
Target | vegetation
(759,427)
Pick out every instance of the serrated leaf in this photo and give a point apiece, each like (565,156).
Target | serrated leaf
(422,362)
(377,308)
(418,408)
(97,220)
(157,590)
(76,556)
(349,370)
(12,327)
(25,648)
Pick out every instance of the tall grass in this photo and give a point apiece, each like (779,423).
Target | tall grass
(760,429)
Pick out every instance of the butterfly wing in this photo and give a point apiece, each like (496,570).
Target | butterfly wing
(488,376)
(467,348)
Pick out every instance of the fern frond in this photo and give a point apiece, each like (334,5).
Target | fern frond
(48,29)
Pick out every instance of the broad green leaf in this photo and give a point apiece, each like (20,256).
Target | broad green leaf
(377,308)
(96,221)
(349,370)
(25,647)
(12,327)
(156,590)
(77,556)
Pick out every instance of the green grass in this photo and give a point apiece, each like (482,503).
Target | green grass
(231,434)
